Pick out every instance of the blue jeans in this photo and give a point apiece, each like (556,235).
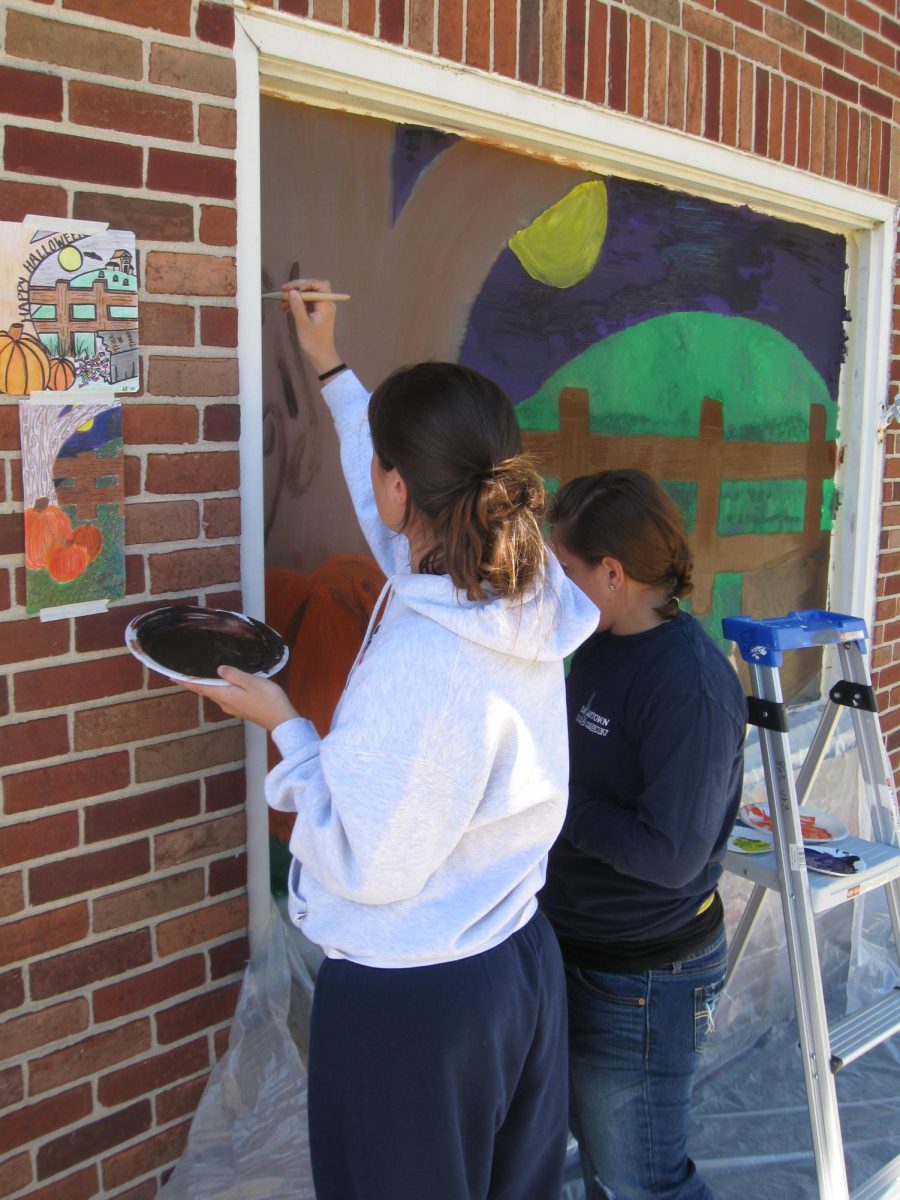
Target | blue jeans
(634,1049)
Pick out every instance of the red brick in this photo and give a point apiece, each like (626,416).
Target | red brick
(839,85)
(88,679)
(166,324)
(822,49)
(100,960)
(12,533)
(61,156)
(782,29)
(217,126)
(149,988)
(135,720)
(90,1140)
(618,59)
(153,220)
(215,24)
(712,107)
(212,1008)
(21,1035)
(169,16)
(30,94)
(4,695)
(876,49)
(180,569)
(35,1121)
(218,326)
(190,274)
(450,32)
(222,422)
(16,1174)
(361,19)
(140,1079)
(192,70)
(860,14)
(37,934)
(160,425)
(12,894)
(88,1056)
(183,756)
(30,639)
(675,107)
(806,13)
(637,51)
(226,790)
(862,69)
(68,44)
(80,1185)
(708,27)
(876,102)
(222,518)
(194,376)
(133,814)
(130,111)
(421,31)
(801,68)
(150,900)
(228,874)
(755,47)
(209,471)
(218,227)
(66,781)
(199,841)
(201,925)
(180,1101)
(12,995)
(12,1087)
(192,174)
(84,872)
(17,200)
(745,12)
(148,1155)
(552,22)
(30,741)
(37,839)
(162,521)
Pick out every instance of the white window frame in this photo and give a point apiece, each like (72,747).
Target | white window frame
(296,59)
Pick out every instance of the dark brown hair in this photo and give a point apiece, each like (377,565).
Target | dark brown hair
(453,437)
(626,515)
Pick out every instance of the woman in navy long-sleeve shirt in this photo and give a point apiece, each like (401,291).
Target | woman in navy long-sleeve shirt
(656,729)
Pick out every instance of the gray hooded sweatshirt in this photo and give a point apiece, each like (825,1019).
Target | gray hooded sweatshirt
(425,815)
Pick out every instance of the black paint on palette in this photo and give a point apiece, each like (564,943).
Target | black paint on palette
(197,641)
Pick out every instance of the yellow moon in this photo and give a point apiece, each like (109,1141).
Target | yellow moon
(70,258)
(88,424)
(561,246)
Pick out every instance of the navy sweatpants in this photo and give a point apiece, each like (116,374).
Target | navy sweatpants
(447,1082)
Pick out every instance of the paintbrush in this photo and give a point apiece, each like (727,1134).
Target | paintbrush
(307,296)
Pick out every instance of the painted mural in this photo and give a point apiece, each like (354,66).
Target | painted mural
(68,310)
(73,481)
(632,325)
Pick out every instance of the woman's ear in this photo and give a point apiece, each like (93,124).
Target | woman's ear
(612,573)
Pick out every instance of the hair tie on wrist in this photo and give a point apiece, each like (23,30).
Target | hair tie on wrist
(333,371)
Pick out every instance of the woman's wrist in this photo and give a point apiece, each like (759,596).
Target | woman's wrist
(324,376)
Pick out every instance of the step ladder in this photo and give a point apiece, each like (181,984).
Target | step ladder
(824,1051)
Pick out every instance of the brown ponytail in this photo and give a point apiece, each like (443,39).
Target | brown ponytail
(453,437)
(626,515)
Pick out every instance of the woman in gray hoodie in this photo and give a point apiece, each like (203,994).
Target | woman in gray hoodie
(424,817)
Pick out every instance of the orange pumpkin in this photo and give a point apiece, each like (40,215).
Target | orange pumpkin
(46,528)
(90,537)
(66,563)
(61,375)
(24,363)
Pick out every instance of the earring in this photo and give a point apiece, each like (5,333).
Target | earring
(612,587)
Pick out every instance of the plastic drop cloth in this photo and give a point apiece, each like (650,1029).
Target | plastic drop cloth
(750,1127)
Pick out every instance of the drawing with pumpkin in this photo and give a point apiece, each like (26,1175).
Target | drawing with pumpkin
(68,310)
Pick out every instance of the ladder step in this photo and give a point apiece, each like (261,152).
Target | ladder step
(864,1030)
(884,1185)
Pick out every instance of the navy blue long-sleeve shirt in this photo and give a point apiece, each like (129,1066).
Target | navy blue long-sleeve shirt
(656,731)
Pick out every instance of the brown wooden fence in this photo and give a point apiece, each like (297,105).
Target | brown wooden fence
(706,460)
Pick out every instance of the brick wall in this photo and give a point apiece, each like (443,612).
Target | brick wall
(121,864)
(122,867)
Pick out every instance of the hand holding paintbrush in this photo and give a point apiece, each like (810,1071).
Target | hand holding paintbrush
(309,301)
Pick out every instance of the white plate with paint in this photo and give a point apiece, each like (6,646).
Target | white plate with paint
(816,827)
(189,644)
(750,841)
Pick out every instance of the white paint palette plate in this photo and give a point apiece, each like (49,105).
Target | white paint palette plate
(189,644)
(817,827)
